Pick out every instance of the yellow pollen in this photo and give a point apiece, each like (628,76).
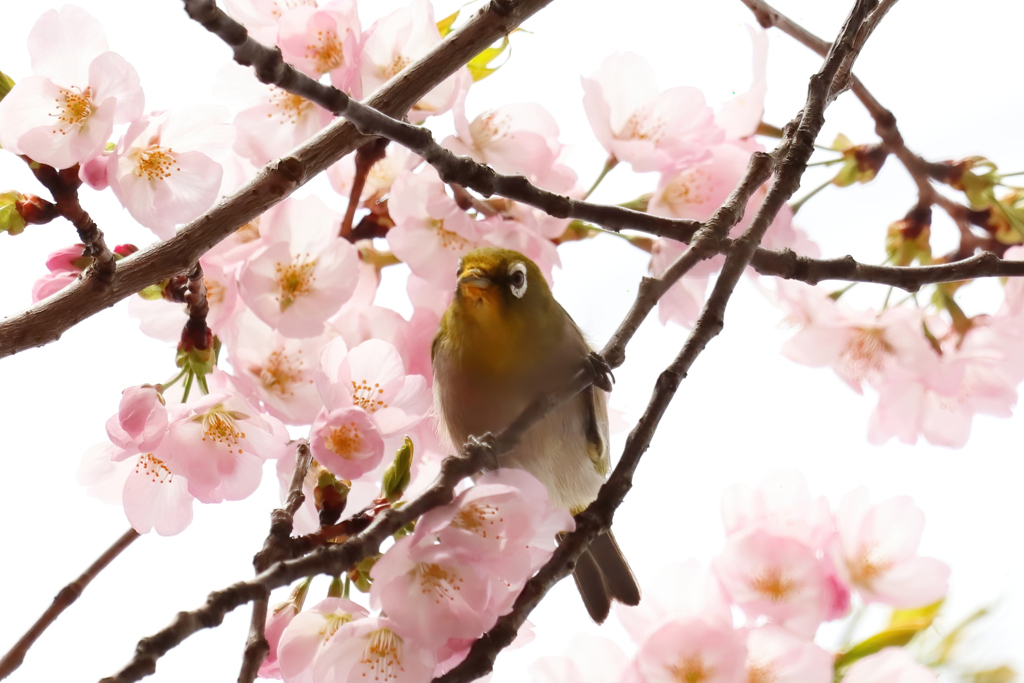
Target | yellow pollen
(762,673)
(370,399)
(691,670)
(688,188)
(866,354)
(73,109)
(219,426)
(332,622)
(278,373)
(438,580)
(155,163)
(641,126)
(249,232)
(773,585)
(289,108)
(345,441)
(449,239)
(154,468)
(489,127)
(326,52)
(392,70)
(869,565)
(294,280)
(383,655)
(215,291)
(476,518)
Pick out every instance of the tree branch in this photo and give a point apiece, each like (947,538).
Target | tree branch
(65,598)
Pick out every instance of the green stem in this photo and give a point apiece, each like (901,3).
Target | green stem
(839,292)
(795,206)
(1010,175)
(201,379)
(827,162)
(188,385)
(885,304)
(337,589)
(608,166)
(170,383)
(348,587)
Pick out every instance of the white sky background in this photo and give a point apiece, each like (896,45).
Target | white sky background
(946,69)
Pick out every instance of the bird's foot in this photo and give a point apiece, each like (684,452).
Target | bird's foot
(603,377)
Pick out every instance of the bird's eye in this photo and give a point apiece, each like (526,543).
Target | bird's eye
(517,280)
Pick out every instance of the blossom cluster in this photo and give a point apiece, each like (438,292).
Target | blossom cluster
(789,565)
(441,587)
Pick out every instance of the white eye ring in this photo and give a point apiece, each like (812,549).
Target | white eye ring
(517,279)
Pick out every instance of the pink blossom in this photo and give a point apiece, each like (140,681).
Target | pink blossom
(432,593)
(691,649)
(683,301)
(860,345)
(141,421)
(154,497)
(372,378)
(346,442)
(774,654)
(777,577)
(280,616)
(891,665)
(64,266)
(452,653)
(51,283)
(431,232)
(161,170)
(93,172)
(93,89)
(783,505)
(219,442)
(588,659)
(740,116)
(276,370)
(877,552)
(515,139)
(276,125)
(374,649)
(324,40)
(310,633)
(504,521)
(356,324)
(397,160)
(304,273)
(635,122)
(396,41)
(681,589)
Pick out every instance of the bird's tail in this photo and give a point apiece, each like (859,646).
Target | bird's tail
(602,575)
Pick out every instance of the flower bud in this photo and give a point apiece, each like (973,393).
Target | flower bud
(909,238)
(861,163)
(330,496)
(6,84)
(11,220)
(398,474)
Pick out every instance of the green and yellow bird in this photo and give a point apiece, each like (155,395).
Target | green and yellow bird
(503,342)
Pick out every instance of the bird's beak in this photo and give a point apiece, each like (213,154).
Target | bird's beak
(474,278)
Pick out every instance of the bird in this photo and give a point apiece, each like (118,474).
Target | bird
(502,342)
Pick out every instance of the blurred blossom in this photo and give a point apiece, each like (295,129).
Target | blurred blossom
(891,665)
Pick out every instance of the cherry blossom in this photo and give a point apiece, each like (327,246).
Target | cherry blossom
(303,273)
(431,232)
(324,40)
(588,659)
(783,505)
(635,122)
(740,116)
(141,420)
(161,170)
(65,112)
(396,41)
(774,654)
(371,377)
(433,592)
(219,442)
(514,139)
(261,17)
(891,665)
(64,266)
(154,497)
(276,370)
(504,521)
(375,649)
(346,442)
(681,589)
(310,633)
(877,552)
(277,124)
(280,616)
(691,649)
(777,577)
(397,160)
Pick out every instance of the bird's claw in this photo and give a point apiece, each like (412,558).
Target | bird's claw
(603,377)
(483,444)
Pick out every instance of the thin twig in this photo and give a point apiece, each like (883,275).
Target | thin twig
(64,599)
(275,547)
